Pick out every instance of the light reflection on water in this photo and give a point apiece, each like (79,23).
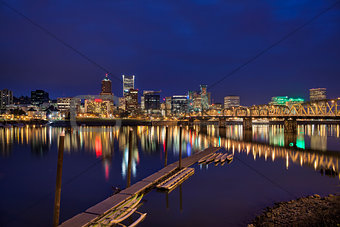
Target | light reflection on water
(28,161)
(101,141)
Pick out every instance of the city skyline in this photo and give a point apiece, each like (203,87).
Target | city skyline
(307,95)
(177,57)
(115,113)
(106,85)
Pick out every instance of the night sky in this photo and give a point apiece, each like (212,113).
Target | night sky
(172,46)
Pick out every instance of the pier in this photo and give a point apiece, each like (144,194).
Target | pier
(144,185)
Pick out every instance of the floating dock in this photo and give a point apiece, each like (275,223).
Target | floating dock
(98,210)
(176,179)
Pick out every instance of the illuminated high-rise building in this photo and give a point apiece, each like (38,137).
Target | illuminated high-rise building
(38,97)
(179,104)
(203,89)
(6,98)
(168,105)
(100,107)
(317,94)
(122,103)
(191,100)
(231,101)
(204,97)
(65,104)
(128,83)
(199,100)
(131,99)
(106,86)
(151,100)
(209,98)
(142,99)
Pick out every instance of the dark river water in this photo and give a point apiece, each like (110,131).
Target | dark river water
(267,168)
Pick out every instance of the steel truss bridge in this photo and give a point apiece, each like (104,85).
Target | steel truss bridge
(324,109)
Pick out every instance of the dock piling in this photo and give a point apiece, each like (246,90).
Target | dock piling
(180,147)
(56,212)
(166,146)
(128,183)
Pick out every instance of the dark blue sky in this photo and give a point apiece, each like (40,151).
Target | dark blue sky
(173,46)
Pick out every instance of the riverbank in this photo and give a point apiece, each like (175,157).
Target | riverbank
(142,122)
(306,211)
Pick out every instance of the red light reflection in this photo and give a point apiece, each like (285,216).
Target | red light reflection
(98,147)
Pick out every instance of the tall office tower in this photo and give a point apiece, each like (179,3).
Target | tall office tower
(142,99)
(6,98)
(106,86)
(317,94)
(203,89)
(179,104)
(209,98)
(38,97)
(131,99)
(142,103)
(151,100)
(122,103)
(194,101)
(231,101)
(68,103)
(128,83)
(168,105)
(204,97)
(191,101)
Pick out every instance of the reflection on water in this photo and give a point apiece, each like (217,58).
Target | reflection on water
(316,135)
(101,142)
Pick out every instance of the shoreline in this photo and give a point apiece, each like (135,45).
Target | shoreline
(305,211)
(135,122)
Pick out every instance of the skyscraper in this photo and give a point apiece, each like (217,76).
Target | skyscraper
(128,83)
(204,97)
(317,94)
(6,98)
(151,100)
(131,99)
(106,86)
(199,100)
(231,101)
(179,104)
(168,101)
(38,97)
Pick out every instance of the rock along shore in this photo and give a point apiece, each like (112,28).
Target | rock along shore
(306,211)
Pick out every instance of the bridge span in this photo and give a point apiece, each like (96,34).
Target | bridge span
(325,109)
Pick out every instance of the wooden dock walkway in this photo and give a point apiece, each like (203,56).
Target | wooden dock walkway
(144,185)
